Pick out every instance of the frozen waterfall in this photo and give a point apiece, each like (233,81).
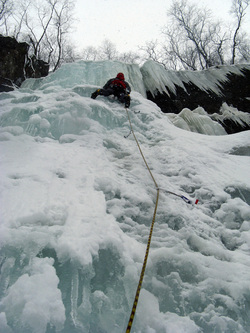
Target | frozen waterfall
(76,203)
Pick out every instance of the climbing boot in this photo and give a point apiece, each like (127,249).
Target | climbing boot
(95,94)
(127,101)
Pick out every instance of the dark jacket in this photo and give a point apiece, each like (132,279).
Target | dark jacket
(109,84)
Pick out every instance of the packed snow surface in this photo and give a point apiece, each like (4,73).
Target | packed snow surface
(77,203)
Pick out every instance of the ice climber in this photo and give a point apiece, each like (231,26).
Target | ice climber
(117,87)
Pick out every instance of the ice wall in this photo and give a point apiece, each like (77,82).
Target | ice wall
(95,73)
(76,203)
(156,78)
(215,90)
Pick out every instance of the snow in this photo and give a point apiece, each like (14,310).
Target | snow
(35,298)
(198,121)
(231,113)
(77,202)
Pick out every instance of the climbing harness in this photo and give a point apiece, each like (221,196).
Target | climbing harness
(130,322)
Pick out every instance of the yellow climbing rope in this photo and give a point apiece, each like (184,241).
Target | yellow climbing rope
(130,322)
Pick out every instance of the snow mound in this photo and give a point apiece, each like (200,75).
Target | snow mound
(231,113)
(197,121)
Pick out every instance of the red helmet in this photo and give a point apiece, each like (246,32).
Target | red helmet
(120,76)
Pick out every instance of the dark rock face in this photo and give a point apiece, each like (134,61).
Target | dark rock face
(36,68)
(232,127)
(12,60)
(234,92)
(5,84)
(191,98)
(237,91)
(16,66)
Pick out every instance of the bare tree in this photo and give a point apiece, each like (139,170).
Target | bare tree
(129,57)
(6,9)
(239,11)
(202,37)
(62,22)
(193,40)
(45,25)
(153,51)
(108,50)
(45,14)
(90,53)
(178,52)
(244,48)
(19,17)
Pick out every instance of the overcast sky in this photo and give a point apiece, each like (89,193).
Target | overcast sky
(129,23)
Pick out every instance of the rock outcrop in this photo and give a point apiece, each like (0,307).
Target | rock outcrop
(16,66)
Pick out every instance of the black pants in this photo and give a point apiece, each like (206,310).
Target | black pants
(122,96)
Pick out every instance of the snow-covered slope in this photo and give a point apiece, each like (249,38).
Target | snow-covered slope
(77,203)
